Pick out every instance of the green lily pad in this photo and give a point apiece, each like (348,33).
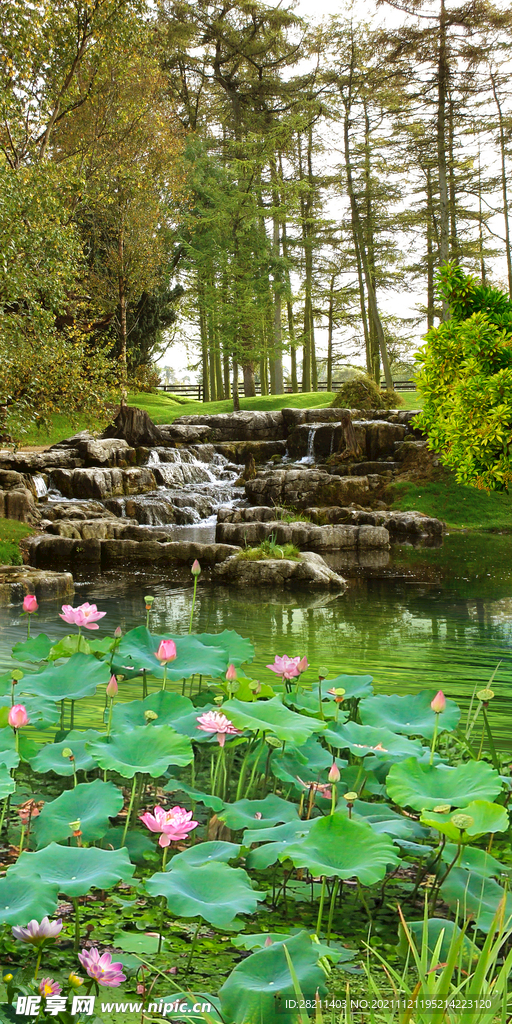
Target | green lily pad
(337,953)
(78,677)
(148,749)
(355,686)
(339,845)
(137,942)
(181,1006)
(69,645)
(177,786)
(34,650)
(423,786)
(258,988)
(138,844)
(167,706)
(272,716)
(7,783)
(74,869)
(22,899)
(476,896)
(92,803)
(137,652)
(237,649)
(259,814)
(383,819)
(411,714)
(362,740)
(42,713)
(310,762)
(479,862)
(49,758)
(308,701)
(248,690)
(487,817)
(275,842)
(213,891)
(208,852)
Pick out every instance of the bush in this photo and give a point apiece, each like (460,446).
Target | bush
(144,378)
(465,380)
(363,393)
(270,549)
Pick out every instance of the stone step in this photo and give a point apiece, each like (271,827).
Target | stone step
(45,550)
(303,535)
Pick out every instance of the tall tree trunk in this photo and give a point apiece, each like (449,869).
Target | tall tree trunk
(430,251)
(227,382)
(205,372)
(369,241)
(123,359)
(277,351)
(289,306)
(364,317)
(442,92)
(249,382)
(308,282)
(454,242)
(236,396)
(504,190)
(330,318)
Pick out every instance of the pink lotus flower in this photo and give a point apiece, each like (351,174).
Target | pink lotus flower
(17,716)
(438,704)
(215,721)
(86,615)
(166,651)
(49,987)
(101,968)
(334,773)
(317,787)
(36,934)
(30,604)
(112,687)
(174,825)
(196,568)
(231,673)
(288,668)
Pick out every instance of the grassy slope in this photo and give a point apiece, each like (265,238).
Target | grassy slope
(459,507)
(11,532)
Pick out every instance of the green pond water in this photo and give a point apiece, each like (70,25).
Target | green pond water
(435,617)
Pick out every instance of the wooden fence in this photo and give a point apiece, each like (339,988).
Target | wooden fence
(195,391)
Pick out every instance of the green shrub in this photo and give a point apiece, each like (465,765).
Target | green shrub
(465,379)
(270,549)
(363,393)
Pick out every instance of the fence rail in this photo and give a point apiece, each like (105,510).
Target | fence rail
(195,391)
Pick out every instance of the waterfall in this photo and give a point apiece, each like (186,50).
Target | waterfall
(39,485)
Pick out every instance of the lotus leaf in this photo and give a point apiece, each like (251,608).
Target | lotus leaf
(258,988)
(354,686)
(187,725)
(49,758)
(486,817)
(177,786)
(74,869)
(383,819)
(148,749)
(410,714)
(137,652)
(336,953)
(22,899)
(138,844)
(7,783)
(363,739)
(479,862)
(92,803)
(476,896)
(34,650)
(237,649)
(246,689)
(307,762)
(41,713)
(75,678)
(5,684)
(339,845)
(423,786)
(436,926)
(272,716)
(274,842)
(352,778)
(180,1006)
(308,701)
(259,814)
(213,891)
(207,852)
(69,645)
(167,706)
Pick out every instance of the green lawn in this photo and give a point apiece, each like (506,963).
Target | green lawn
(11,532)
(460,507)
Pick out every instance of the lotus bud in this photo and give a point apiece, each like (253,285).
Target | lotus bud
(67,752)
(17,716)
(150,716)
(75,981)
(118,634)
(462,821)
(438,704)
(334,773)
(231,673)
(112,687)
(196,568)
(166,651)
(268,941)
(30,604)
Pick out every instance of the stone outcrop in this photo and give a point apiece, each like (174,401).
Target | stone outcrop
(412,524)
(103,483)
(304,535)
(375,439)
(302,487)
(311,572)
(241,426)
(17,581)
(123,551)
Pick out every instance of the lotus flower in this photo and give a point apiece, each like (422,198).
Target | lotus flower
(17,716)
(101,968)
(49,987)
(334,773)
(166,651)
(215,721)
(231,673)
(174,825)
(288,668)
(438,704)
(196,568)
(317,787)
(35,934)
(30,604)
(85,615)
(112,687)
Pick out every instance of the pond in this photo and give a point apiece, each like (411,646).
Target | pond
(433,617)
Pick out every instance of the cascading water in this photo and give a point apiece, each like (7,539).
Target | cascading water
(39,486)
(309,458)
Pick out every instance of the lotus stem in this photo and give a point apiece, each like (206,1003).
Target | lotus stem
(38,962)
(28,626)
(76,945)
(434,739)
(193,605)
(5,804)
(62,716)
(164,680)
(494,755)
(144,684)
(109,723)
(243,769)
(162,913)
(321,907)
(331,908)
(256,762)
(437,887)
(22,839)
(193,946)
(129,812)
(72,715)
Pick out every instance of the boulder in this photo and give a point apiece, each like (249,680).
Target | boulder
(17,581)
(185,433)
(318,538)
(311,572)
(302,487)
(239,451)
(102,483)
(19,504)
(241,426)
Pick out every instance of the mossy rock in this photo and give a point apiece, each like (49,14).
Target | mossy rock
(364,393)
